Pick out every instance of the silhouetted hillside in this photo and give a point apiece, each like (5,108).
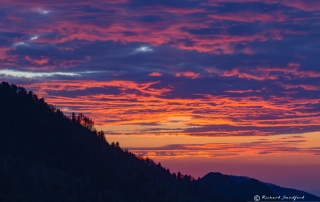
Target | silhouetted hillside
(47,156)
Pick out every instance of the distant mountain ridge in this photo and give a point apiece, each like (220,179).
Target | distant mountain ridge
(277,190)
(245,190)
(47,156)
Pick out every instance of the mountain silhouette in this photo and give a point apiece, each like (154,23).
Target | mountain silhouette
(277,190)
(245,191)
(48,156)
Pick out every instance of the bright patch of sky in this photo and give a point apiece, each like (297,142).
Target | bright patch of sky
(20,43)
(34,38)
(26,74)
(42,11)
(144,49)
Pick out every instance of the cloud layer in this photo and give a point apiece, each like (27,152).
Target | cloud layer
(200,68)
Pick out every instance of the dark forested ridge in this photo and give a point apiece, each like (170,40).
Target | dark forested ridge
(47,156)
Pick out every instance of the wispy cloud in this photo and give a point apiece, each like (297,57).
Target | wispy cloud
(33,74)
(258,149)
(24,74)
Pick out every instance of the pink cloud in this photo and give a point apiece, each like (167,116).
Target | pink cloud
(7,59)
(251,17)
(225,150)
(147,102)
(303,86)
(3,52)
(42,61)
(188,74)
(305,5)
(178,11)
(212,70)
(71,25)
(291,64)
(155,74)
(268,73)
(248,51)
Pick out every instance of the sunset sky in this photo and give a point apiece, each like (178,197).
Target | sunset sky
(230,86)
